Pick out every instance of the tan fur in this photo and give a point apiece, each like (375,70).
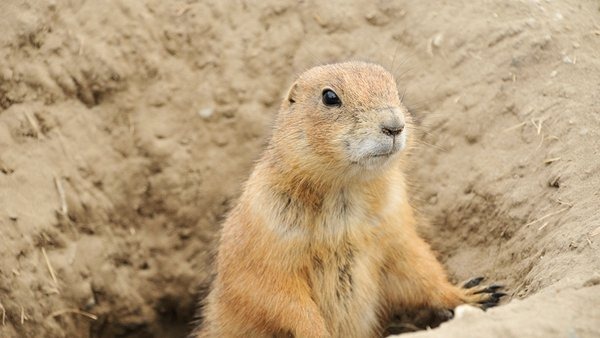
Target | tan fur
(322,244)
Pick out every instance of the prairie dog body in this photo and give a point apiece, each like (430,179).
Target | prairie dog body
(322,242)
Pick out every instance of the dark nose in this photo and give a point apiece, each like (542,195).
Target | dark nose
(392,129)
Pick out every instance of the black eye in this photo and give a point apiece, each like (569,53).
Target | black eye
(330,98)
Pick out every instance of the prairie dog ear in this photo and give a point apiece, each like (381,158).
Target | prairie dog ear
(291,95)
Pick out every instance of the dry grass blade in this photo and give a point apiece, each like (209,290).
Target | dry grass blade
(550,160)
(76,311)
(3,314)
(537,125)
(23,315)
(541,143)
(61,194)
(548,215)
(52,274)
(565,203)
(34,126)
(595,232)
(589,241)
(318,19)
(543,226)
(514,127)
(430,47)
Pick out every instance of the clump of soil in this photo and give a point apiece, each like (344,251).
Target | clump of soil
(127,128)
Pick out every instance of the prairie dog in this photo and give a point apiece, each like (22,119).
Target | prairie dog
(322,242)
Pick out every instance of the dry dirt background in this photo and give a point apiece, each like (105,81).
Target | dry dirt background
(127,128)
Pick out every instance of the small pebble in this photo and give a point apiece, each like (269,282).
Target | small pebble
(437,40)
(566,59)
(558,16)
(206,113)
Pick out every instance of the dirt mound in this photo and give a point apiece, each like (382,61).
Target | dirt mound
(127,128)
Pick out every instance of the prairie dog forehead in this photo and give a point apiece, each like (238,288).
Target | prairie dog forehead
(359,84)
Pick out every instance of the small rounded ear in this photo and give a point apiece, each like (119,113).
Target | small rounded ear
(291,95)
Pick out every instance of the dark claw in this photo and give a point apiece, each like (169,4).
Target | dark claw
(491,289)
(494,298)
(497,295)
(488,305)
(473,282)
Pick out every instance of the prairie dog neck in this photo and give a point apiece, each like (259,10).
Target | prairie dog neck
(302,205)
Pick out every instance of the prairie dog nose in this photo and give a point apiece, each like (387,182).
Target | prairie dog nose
(392,129)
(391,121)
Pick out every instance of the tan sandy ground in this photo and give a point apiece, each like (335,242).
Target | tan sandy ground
(127,128)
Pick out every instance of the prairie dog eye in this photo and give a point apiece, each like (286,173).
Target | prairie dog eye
(330,98)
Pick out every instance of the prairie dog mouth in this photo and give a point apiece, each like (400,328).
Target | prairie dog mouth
(375,149)
(388,154)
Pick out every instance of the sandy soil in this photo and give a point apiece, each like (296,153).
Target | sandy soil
(127,128)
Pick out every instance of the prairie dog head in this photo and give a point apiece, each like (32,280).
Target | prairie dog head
(343,117)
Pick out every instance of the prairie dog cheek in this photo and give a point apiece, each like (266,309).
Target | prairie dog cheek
(401,141)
